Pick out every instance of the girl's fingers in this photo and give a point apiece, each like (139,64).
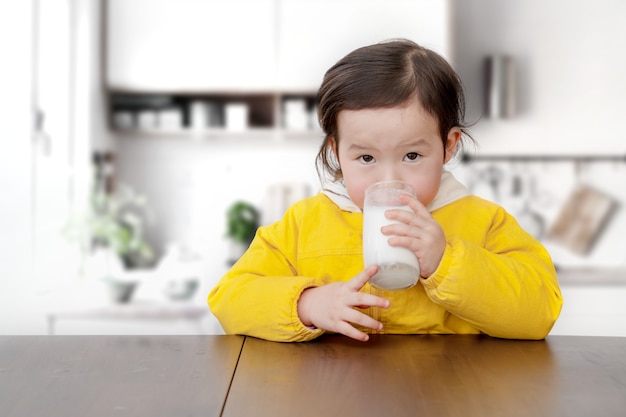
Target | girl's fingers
(410,218)
(364,320)
(356,283)
(359,299)
(347,330)
(415,205)
(363,300)
(361,319)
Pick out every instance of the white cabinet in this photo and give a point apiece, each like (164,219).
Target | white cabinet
(270,55)
(190,45)
(314,34)
(252,45)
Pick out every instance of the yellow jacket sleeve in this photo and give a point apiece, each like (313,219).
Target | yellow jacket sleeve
(494,275)
(258,296)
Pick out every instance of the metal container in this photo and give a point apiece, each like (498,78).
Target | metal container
(500,95)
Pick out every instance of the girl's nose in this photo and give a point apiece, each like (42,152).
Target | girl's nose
(390,173)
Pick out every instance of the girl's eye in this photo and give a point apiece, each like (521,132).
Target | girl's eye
(411,156)
(366,159)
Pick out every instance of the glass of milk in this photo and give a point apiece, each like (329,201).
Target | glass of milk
(398,267)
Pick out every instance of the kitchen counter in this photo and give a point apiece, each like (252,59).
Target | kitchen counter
(591,276)
(594,302)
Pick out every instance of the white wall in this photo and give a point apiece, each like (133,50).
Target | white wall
(570,58)
(40,179)
(16,243)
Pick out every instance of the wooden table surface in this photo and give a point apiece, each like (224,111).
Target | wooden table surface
(90,376)
(333,376)
(431,376)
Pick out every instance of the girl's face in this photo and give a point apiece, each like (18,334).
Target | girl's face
(398,143)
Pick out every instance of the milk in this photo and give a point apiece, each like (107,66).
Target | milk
(398,267)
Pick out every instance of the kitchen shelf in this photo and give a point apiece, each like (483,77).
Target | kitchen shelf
(221,134)
(214,114)
(544,158)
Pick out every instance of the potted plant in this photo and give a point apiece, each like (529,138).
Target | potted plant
(242,221)
(116,222)
(110,234)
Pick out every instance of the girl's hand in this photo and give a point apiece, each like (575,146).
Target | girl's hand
(331,307)
(419,232)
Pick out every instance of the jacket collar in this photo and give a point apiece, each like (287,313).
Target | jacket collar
(450,190)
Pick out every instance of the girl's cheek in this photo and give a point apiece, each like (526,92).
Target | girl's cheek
(426,191)
(356,194)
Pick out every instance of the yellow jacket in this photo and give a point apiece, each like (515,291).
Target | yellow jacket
(494,278)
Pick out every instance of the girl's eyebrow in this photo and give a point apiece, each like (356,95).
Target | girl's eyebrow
(408,144)
(357,147)
(417,142)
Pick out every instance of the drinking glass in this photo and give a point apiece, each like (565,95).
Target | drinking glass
(398,267)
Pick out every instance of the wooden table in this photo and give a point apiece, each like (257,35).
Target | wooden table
(90,376)
(333,376)
(393,376)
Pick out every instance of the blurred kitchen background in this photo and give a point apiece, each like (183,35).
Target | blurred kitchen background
(144,140)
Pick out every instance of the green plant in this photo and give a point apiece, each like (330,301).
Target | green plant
(242,222)
(113,220)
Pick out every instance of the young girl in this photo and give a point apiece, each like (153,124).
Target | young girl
(390,111)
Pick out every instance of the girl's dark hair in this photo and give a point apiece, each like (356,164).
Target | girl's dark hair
(385,75)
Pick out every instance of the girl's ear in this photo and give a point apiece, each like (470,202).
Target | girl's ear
(452,141)
(333,145)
